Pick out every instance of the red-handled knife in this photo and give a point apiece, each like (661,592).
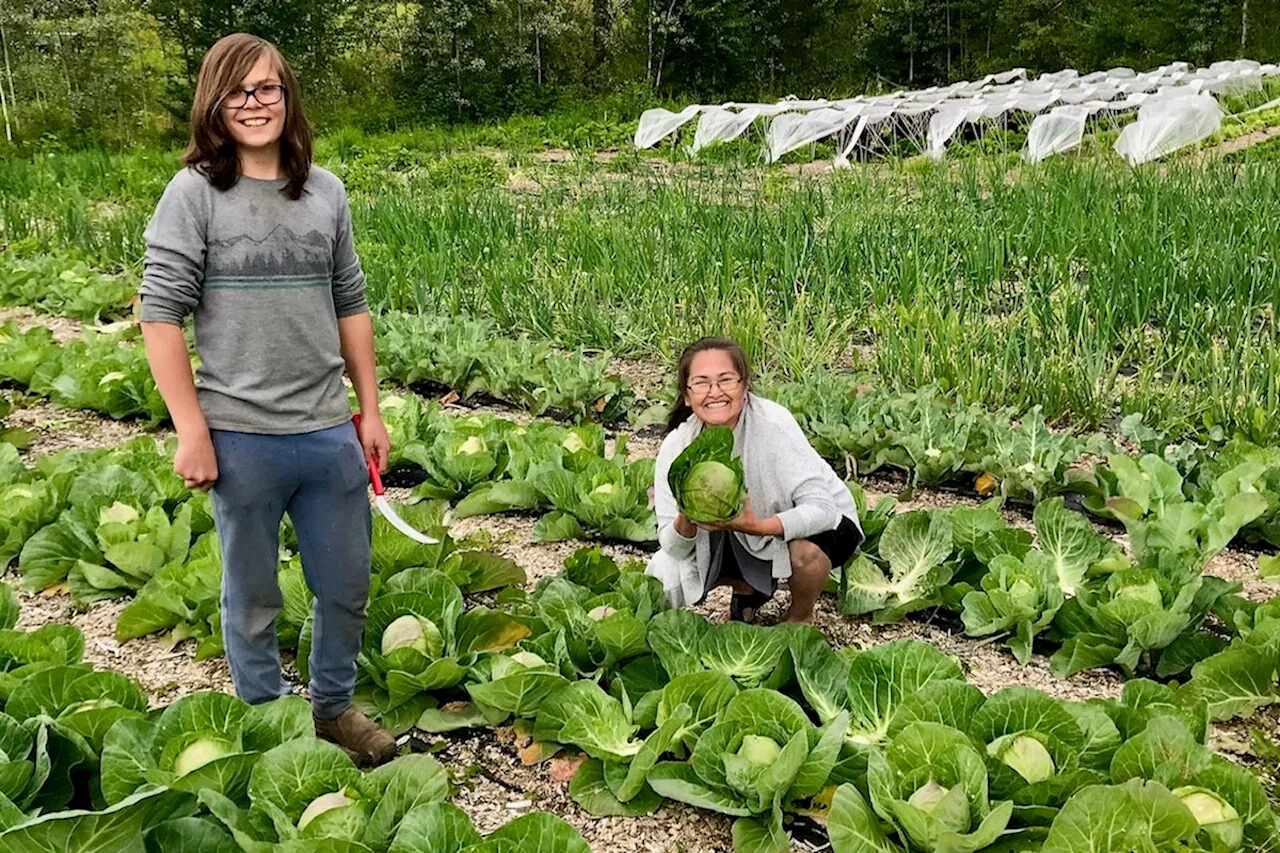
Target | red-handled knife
(384,506)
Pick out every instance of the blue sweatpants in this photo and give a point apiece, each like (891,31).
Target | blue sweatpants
(320,479)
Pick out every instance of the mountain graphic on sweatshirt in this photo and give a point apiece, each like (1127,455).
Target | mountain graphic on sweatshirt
(279,252)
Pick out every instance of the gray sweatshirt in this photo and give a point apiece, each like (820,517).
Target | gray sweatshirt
(267,279)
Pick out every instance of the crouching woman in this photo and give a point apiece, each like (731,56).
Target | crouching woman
(798,520)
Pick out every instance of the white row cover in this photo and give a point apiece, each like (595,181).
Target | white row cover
(1061,129)
(1166,124)
(657,124)
(1061,101)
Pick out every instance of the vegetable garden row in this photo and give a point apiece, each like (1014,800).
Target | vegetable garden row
(86,767)
(889,746)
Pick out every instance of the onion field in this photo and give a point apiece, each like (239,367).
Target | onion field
(1053,390)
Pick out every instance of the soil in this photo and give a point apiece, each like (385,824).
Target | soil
(1240,143)
(56,429)
(164,673)
(63,328)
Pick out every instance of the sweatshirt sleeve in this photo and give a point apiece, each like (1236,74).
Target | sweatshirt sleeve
(173,266)
(348,277)
(804,476)
(664,504)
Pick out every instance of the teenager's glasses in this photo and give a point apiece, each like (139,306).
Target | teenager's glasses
(268,95)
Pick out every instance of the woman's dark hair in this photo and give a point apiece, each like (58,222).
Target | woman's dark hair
(680,412)
(210,148)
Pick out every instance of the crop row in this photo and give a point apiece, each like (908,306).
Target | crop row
(1076,593)
(593,661)
(757,722)
(117,522)
(931,435)
(86,767)
(472,359)
(928,434)
(52,285)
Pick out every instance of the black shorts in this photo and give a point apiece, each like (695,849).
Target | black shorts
(839,545)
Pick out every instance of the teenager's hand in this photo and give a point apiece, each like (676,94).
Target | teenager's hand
(195,462)
(374,440)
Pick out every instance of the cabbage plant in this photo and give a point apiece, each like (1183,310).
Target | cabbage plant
(1144,608)
(916,546)
(591,621)
(931,784)
(875,687)
(1223,804)
(424,640)
(459,458)
(608,498)
(204,741)
(581,714)
(707,480)
(761,757)
(1021,594)
(1036,750)
(309,795)
(86,702)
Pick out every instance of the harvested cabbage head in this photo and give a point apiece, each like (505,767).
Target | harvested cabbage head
(711,491)
(708,483)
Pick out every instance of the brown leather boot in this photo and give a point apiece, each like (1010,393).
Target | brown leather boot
(367,743)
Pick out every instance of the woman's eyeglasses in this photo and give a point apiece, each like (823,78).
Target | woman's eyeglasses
(702,385)
(267,95)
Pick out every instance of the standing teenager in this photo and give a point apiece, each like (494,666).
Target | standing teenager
(255,242)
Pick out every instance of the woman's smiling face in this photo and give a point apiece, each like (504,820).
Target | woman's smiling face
(715,390)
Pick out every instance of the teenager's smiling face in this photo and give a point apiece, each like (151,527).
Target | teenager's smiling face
(715,391)
(255,124)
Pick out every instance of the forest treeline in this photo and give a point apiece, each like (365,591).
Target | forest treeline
(120,72)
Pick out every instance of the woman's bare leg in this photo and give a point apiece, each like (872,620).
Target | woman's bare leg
(809,571)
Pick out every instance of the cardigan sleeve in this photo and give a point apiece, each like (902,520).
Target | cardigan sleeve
(664,502)
(805,477)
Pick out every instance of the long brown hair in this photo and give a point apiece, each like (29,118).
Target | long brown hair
(210,148)
(680,412)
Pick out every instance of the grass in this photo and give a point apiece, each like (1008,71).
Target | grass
(1080,285)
